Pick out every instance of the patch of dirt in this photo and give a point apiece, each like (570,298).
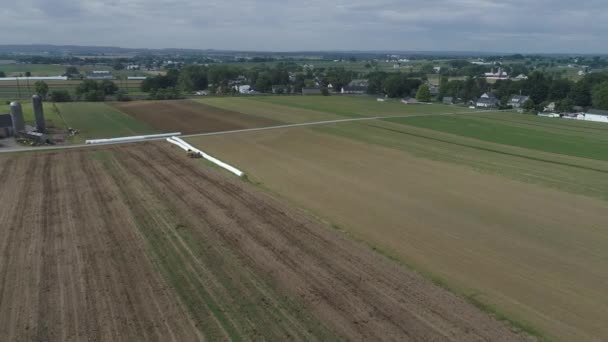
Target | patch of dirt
(190,117)
(139,242)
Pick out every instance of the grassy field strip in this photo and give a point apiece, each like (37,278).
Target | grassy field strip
(555,123)
(356,106)
(566,173)
(592,145)
(99,120)
(72,116)
(533,254)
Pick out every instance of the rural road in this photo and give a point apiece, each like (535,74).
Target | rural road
(316,123)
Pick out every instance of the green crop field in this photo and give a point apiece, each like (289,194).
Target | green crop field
(98,120)
(36,69)
(543,134)
(10,90)
(15,69)
(504,208)
(358,106)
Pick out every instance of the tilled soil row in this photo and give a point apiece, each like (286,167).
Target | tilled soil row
(139,242)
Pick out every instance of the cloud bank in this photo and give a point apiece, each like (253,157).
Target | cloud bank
(455,25)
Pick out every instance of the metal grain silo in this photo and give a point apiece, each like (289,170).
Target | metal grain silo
(38,113)
(17,117)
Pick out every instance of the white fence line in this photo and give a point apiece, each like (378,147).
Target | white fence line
(131,138)
(187,147)
(35,78)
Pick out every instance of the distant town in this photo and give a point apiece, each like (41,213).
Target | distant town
(571,87)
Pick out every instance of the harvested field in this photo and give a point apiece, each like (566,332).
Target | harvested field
(271,111)
(190,117)
(139,242)
(536,255)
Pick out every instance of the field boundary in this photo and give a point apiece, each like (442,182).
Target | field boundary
(305,124)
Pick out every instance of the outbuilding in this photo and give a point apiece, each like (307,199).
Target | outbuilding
(6,126)
(596,115)
(487,100)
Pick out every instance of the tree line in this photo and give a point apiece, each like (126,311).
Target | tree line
(590,91)
(222,78)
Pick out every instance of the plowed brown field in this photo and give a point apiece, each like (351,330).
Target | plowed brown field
(141,243)
(189,117)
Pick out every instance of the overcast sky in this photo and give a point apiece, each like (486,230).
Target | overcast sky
(285,25)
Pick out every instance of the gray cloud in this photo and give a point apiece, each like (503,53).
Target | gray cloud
(484,25)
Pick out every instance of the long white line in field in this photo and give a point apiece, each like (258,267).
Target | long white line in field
(305,124)
(327,122)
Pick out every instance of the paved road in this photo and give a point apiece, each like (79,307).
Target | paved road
(316,123)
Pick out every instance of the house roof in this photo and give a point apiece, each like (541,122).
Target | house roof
(355,88)
(6,121)
(489,100)
(519,98)
(592,111)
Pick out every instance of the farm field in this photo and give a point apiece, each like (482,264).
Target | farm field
(140,242)
(25,89)
(281,113)
(189,117)
(15,69)
(99,120)
(52,119)
(92,120)
(357,106)
(518,231)
(517,130)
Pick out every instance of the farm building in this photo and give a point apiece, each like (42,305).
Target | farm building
(487,100)
(354,90)
(243,89)
(520,77)
(498,75)
(517,101)
(6,126)
(100,75)
(596,115)
(550,107)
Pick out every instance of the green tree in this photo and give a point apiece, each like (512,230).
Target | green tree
(537,86)
(118,66)
(42,89)
(423,94)
(600,96)
(28,74)
(108,87)
(60,96)
(2,74)
(325,91)
(529,105)
(71,70)
(565,105)
(193,77)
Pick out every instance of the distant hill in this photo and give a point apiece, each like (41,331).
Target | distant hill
(47,49)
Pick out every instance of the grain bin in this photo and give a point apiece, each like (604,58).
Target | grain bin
(17,117)
(38,113)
